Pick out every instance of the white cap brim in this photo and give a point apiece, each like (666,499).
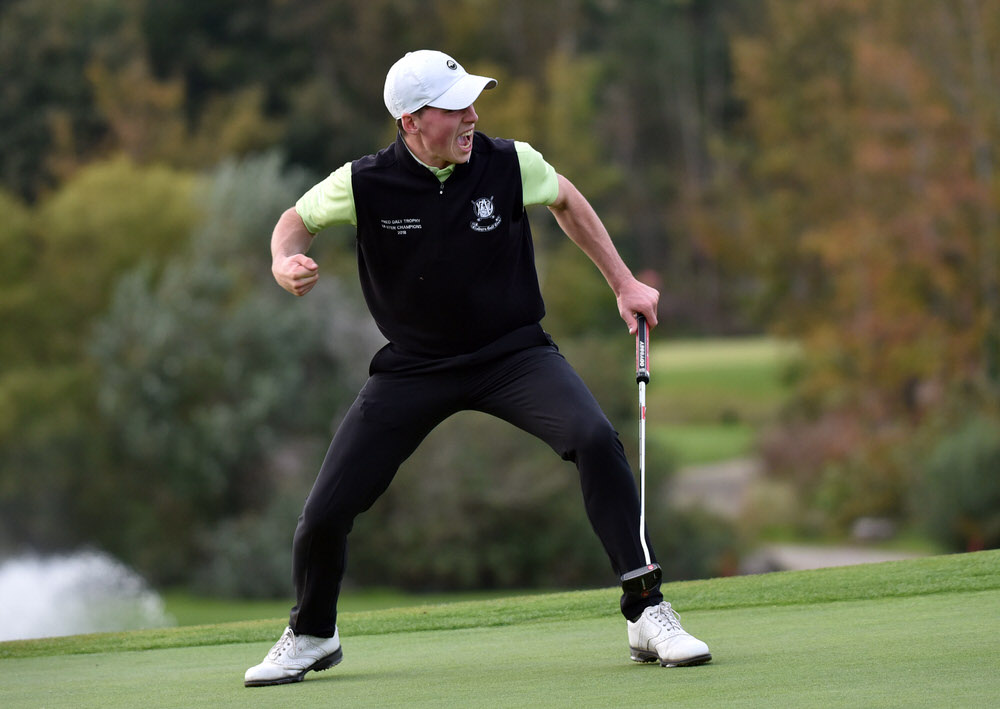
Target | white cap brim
(463,93)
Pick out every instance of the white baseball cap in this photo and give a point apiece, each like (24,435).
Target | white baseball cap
(430,78)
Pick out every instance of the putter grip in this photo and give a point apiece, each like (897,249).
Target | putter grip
(642,351)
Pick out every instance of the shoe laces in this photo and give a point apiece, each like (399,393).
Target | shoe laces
(287,640)
(666,616)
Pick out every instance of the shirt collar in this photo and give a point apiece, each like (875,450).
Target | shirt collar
(442,173)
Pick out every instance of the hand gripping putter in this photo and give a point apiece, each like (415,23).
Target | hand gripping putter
(646,578)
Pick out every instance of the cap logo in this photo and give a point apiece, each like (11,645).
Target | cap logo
(452,65)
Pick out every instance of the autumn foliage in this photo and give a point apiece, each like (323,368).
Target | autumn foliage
(826,171)
(870,208)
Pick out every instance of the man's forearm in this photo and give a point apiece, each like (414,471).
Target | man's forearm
(290,236)
(580,223)
(292,269)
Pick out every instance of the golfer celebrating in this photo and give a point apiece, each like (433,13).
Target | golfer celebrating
(447,269)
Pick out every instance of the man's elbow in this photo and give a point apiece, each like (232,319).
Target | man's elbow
(565,195)
(290,217)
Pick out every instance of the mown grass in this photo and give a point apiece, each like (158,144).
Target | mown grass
(940,574)
(699,443)
(904,634)
(707,399)
(874,653)
(720,379)
(186,608)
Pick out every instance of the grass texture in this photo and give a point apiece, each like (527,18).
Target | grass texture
(899,634)
(708,398)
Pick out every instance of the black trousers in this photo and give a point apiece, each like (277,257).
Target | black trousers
(535,389)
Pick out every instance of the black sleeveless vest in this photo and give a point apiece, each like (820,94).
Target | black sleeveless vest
(446,268)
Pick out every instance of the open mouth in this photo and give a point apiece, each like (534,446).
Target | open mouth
(465,140)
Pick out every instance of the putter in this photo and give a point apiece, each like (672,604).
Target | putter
(643,580)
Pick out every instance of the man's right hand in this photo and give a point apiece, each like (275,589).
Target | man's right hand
(297,273)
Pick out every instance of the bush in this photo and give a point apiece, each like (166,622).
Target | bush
(204,366)
(483,505)
(479,505)
(693,543)
(250,556)
(958,497)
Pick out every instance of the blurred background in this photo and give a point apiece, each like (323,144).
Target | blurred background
(813,186)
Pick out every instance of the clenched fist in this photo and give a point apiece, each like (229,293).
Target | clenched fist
(297,273)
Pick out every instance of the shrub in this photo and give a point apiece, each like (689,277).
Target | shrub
(958,497)
(250,556)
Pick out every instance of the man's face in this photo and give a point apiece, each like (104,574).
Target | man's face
(440,137)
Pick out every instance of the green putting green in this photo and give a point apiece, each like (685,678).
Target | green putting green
(903,634)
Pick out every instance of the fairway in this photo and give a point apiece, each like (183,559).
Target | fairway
(908,636)
(708,399)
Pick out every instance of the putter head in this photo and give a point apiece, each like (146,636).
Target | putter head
(643,580)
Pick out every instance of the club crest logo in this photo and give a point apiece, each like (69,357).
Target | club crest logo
(485,219)
(452,65)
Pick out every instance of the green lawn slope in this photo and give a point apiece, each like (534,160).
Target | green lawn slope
(899,634)
(707,399)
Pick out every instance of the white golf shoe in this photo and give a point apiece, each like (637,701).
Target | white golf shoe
(658,636)
(292,656)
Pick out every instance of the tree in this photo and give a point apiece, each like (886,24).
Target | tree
(48,121)
(18,244)
(205,370)
(870,211)
(64,255)
(110,217)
